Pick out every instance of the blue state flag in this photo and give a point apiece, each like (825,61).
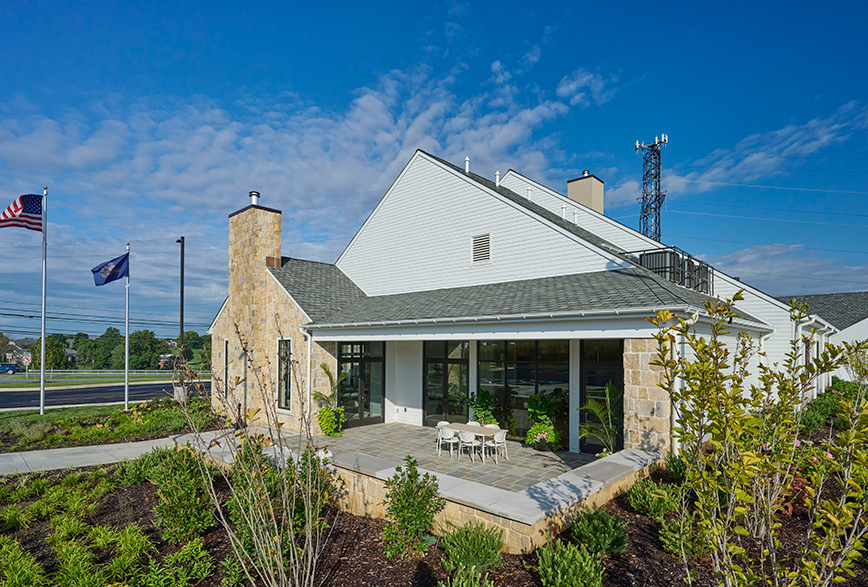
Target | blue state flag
(112,270)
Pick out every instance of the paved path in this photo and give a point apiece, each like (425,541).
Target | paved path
(76,456)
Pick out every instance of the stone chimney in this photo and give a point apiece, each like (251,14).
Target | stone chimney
(587,190)
(254,244)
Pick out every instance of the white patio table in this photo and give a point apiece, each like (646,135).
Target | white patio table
(477,430)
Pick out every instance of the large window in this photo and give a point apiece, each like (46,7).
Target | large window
(284,374)
(515,370)
(446,381)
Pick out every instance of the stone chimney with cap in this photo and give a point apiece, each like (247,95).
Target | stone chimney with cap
(254,245)
(587,190)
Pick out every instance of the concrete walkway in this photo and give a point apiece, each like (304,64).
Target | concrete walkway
(76,456)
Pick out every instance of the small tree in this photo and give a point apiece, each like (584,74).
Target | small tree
(745,457)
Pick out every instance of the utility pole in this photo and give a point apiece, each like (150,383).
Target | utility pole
(181,336)
(652,196)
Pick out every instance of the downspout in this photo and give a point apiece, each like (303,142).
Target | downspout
(308,336)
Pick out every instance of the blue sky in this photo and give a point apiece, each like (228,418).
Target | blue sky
(149,121)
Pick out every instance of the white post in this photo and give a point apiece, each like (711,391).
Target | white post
(127,341)
(42,345)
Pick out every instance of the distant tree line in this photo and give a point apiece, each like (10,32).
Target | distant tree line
(107,350)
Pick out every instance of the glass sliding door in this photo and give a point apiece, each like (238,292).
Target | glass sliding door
(602,361)
(362,392)
(446,381)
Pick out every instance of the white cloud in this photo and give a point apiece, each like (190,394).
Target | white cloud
(501,76)
(790,270)
(582,87)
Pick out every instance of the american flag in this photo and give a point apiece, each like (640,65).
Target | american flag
(25,211)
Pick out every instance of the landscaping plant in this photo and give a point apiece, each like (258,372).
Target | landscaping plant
(468,577)
(184,510)
(544,433)
(600,532)
(562,563)
(682,536)
(482,405)
(650,498)
(472,546)
(744,453)
(677,467)
(330,416)
(603,420)
(276,526)
(411,502)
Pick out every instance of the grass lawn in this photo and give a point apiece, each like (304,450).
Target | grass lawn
(27,430)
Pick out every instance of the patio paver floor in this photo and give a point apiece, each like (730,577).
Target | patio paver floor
(393,441)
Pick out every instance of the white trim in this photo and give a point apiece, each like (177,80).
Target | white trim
(289,295)
(220,311)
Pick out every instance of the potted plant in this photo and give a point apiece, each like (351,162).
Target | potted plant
(330,415)
(543,437)
(482,405)
(603,420)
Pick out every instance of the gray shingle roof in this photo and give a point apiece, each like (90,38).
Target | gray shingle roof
(621,289)
(537,209)
(319,288)
(841,310)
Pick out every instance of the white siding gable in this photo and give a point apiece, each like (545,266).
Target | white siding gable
(616,233)
(420,237)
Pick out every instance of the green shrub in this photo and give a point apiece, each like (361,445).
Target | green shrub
(694,540)
(77,566)
(654,499)
(66,528)
(19,568)
(233,574)
(13,517)
(186,567)
(826,405)
(563,564)
(845,388)
(677,467)
(468,577)
(138,471)
(331,419)
(184,510)
(472,545)
(600,532)
(411,502)
(812,419)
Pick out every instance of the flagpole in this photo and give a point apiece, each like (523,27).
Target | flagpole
(42,346)
(127,349)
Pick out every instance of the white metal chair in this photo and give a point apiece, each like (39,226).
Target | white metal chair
(492,426)
(447,436)
(497,444)
(468,440)
(472,423)
(439,424)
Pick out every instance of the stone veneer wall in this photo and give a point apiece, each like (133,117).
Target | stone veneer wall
(647,408)
(257,314)
(364,496)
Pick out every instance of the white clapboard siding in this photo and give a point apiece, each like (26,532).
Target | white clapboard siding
(613,231)
(420,237)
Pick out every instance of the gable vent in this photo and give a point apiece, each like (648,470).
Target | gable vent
(481,248)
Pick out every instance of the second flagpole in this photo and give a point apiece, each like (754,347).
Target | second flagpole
(42,342)
(127,341)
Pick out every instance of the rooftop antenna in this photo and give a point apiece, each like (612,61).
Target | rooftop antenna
(652,196)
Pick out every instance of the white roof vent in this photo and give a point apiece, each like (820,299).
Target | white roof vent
(254,198)
(481,248)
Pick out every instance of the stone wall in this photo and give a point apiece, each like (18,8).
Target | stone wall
(647,408)
(364,496)
(258,313)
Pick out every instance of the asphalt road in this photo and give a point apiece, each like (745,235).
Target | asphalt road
(86,395)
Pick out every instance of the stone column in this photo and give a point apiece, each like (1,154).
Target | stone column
(647,409)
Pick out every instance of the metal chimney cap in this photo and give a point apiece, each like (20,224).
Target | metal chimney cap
(585,173)
(254,198)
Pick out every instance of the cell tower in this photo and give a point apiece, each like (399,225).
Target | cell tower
(652,196)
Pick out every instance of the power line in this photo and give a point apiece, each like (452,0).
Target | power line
(768,219)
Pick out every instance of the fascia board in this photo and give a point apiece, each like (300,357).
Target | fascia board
(220,311)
